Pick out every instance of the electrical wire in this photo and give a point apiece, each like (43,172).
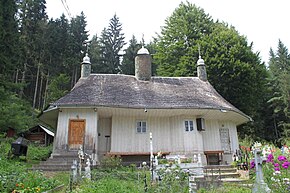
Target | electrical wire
(64,3)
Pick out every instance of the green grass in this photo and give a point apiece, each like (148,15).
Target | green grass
(14,173)
(110,178)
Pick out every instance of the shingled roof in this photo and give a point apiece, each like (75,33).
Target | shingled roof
(115,90)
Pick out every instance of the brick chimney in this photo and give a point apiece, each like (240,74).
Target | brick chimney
(143,65)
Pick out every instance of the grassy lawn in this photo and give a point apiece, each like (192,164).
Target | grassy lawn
(16,177)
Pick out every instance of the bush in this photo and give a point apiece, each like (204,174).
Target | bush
(172,180)
(14,174)
(34,181)
(111,162)
(39,153)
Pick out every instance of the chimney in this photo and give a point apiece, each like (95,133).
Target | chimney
(86,67)
(143,65)
(201,70)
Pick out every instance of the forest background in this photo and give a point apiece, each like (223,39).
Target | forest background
(40,61)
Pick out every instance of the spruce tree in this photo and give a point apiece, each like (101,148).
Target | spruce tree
(112,42)
(78,35)
(128,62)
(279,86)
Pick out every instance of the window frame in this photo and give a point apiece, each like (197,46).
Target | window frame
(188,125)
(141,129)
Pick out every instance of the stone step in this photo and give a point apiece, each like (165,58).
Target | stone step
(222,175)
(63,156)
(57,162)
(62,159)
(235,180)
(52,167)
(218,166)
(220,170)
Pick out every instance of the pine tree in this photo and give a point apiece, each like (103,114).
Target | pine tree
(15,112)
(33,20)
(9,52)
(279,103)
(95,53)
(78,35)
(128,62)
(112,42)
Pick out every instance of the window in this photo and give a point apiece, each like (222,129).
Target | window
(141,126)
(188,125)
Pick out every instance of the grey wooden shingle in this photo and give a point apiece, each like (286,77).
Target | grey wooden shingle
(112,90)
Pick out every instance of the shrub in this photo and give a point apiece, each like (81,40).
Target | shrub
(34,181)
(39,153)
(14,176)
(111,162)
(172,180)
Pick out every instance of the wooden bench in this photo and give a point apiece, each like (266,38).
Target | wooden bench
(135,153)
(134,157)
(214,157)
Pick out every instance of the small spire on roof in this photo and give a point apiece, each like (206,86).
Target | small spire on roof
(143,41)
(86,67)
(199,52)
(86,59)
(201,70)
(143,51)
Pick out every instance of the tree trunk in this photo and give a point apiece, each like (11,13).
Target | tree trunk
(16,75)
(40,91)
(45,91)
(72,79)
(36,86)
(76,76)
(21,93)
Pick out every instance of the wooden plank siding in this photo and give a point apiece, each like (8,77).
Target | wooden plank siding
(104,135)
(36,137)
(117,133)
(61,137)
(168,133)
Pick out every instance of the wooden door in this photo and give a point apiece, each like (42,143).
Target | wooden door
(225,140)
(188,135)
(104,139)
(76,133)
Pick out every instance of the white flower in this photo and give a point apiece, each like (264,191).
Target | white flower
(159,154)
(276,173)
(286,180)
(274,179)
(257,145)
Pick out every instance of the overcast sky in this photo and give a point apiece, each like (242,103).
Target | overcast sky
(263,22)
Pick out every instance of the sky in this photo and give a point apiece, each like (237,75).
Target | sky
(263,22)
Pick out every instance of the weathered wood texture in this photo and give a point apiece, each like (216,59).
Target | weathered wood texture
(61,142)
(104,136)
(118,133)
(76,133)
(168,135)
